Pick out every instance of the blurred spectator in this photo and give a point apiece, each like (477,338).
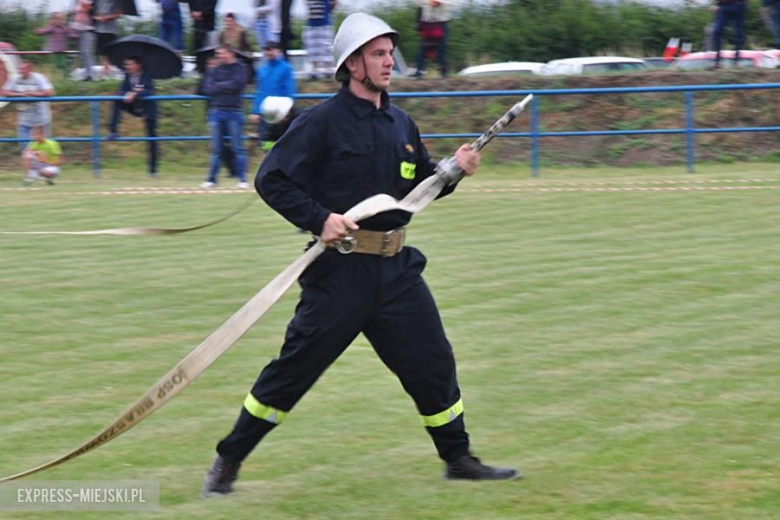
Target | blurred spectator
(286,34)
(262,11)
(203,13)
(136,87)
(30,84)
(41,158)
(274,19)
(234,35)
(729,11)
(227,157)
(224,84)
(432,26)
(171,28)
(57,35)
(709,31)
(274,78)
(84,27)
(770,11)
(106,13)
(318,36)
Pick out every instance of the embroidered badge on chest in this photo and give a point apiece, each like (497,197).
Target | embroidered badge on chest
(408,170)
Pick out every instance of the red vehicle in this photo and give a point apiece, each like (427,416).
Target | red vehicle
(706,60)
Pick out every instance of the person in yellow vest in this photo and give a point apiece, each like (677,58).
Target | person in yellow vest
(42,158)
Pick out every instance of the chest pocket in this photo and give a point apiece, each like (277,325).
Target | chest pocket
(353,148)
(353,158)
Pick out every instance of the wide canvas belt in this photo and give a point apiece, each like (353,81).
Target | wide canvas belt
(381,243)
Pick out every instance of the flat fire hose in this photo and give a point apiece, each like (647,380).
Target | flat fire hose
(197,361)
(138,230)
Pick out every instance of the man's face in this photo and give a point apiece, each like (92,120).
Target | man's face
(25,69)
(376,62)
(38,134)
(225,56)
(131,66)
(272,53)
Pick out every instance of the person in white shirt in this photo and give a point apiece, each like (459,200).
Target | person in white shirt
(432,26)
(30,84)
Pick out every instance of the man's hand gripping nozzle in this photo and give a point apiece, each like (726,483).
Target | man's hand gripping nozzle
(448,168)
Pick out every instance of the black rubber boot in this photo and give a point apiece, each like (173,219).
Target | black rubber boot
(468,467)
(220,477)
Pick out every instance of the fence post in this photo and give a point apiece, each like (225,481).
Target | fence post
(689,135)
(535,137)
(95,111)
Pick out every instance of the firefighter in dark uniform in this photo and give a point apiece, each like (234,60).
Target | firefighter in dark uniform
(336,154)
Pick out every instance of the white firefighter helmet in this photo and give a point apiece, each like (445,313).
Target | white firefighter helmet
(355,31)
(275,108)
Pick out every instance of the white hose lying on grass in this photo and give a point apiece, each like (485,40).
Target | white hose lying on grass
(197,361)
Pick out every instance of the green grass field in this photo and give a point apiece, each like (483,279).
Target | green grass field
(616,333)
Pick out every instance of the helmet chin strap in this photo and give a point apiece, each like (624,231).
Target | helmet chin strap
(370,85)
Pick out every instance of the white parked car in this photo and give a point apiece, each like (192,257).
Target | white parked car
(594,65)
(507,68)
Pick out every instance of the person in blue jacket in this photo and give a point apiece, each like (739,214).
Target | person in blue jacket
(274,79)
(135,90)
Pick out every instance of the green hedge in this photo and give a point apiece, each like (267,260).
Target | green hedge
(519,30)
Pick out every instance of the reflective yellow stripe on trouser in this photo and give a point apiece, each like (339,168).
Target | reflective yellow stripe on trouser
(445,417)
(261,411)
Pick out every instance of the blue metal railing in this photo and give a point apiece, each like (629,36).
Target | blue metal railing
(535,135)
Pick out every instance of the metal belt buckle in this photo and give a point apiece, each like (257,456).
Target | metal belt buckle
(347,245)
(386,242)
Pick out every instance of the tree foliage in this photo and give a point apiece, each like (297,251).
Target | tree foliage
(543,30)
(504,30)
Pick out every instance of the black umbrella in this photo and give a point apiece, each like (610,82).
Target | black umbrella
(158,56)
(203,54)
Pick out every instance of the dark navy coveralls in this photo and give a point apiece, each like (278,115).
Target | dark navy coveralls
(332,157)
(141,107)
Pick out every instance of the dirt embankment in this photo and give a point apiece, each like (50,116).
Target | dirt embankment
(558,113)
(637,111)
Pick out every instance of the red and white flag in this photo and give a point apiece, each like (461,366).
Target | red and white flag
(672,46)
(685,49)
